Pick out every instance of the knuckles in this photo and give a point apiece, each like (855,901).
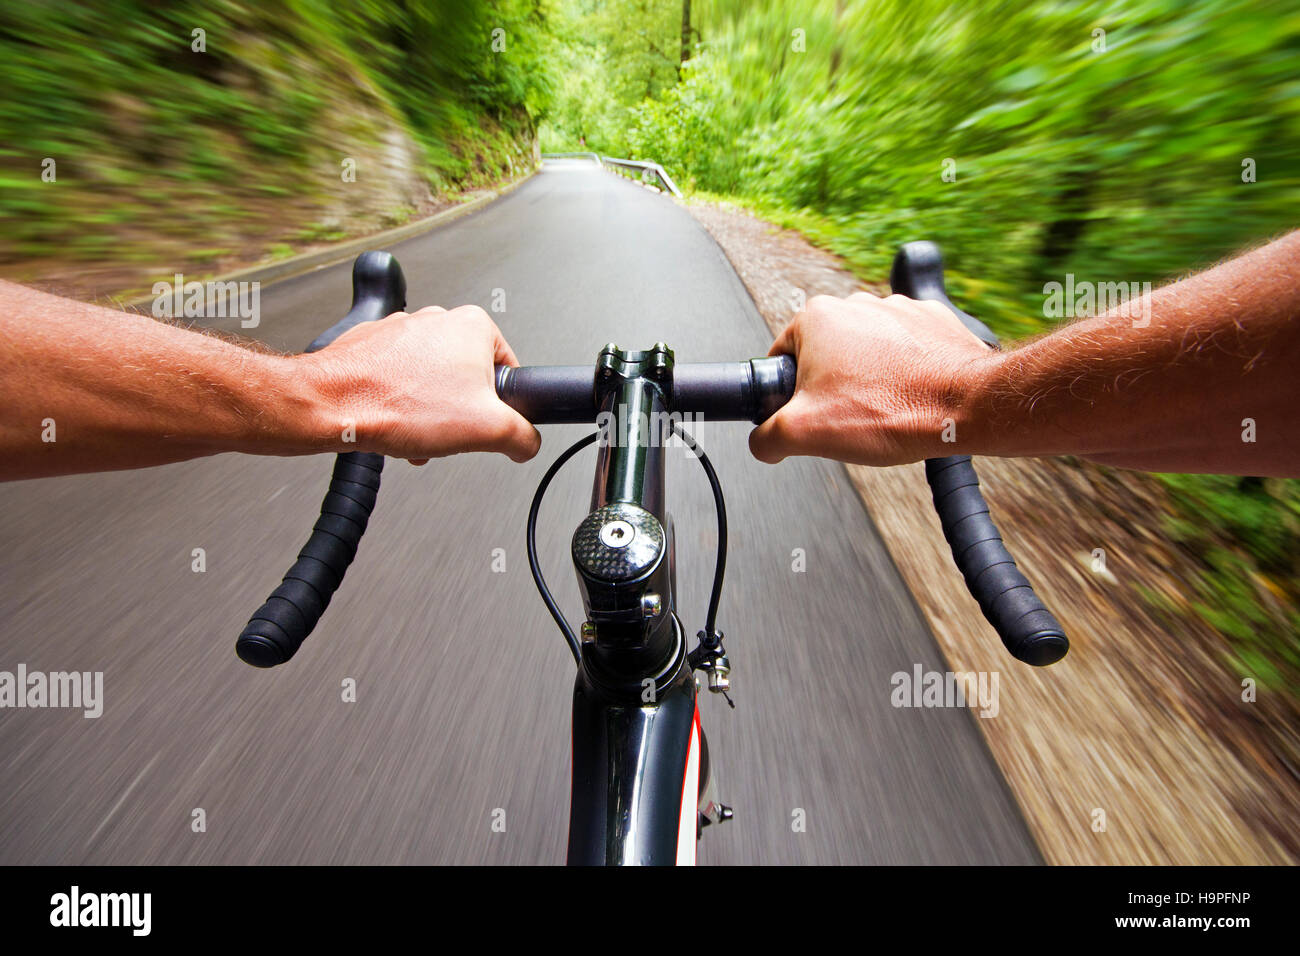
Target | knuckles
(823,314)
(822,306)
(471,315)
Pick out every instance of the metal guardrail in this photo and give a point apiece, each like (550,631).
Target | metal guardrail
(643,169)
(595,158)
(626,166)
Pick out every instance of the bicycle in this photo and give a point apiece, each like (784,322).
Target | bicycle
(641,788)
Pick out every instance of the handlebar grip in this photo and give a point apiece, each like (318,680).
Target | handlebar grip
(774,380)
(1027,628)
(549,394)
(278,628)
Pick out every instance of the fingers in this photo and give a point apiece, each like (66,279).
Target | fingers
(517,439)
(502,353)
(508,432)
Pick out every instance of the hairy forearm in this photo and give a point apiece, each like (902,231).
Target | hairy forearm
(89,388)
(1207,384)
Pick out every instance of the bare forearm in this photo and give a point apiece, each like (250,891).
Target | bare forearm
(1199,377)
(85,388)
(1208,384)
(89,388)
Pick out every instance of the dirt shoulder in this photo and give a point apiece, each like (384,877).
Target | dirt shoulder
(1138,747)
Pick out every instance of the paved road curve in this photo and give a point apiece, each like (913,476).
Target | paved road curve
(462,680)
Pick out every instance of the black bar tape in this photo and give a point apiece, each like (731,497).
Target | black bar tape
(1028,629)
(278,628)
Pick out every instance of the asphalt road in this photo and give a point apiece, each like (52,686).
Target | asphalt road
(462,681)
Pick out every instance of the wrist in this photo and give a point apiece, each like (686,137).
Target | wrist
(304,414)
(970,400)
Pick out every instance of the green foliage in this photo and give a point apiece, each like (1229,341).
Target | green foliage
(610,56)
(1115,156)
(115,93)
(449,63)
(1122,164)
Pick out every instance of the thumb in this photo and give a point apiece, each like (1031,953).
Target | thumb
(773,440)
(519,439)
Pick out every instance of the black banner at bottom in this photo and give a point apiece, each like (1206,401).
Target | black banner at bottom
(927,905)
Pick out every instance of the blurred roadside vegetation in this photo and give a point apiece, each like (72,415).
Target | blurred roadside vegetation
(165,153)
(1109,140)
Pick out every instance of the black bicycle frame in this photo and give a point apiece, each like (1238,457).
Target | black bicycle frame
(636,738)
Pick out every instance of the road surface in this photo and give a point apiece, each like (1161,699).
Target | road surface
(461,717)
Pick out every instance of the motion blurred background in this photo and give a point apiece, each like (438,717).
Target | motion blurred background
(1131,141)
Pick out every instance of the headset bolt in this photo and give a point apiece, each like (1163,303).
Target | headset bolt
(617,534)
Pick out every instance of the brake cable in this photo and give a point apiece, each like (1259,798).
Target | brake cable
(720,506)
(709,654)
(710,633)
(533,565)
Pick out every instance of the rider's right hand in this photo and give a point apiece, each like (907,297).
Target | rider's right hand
(879,382)
(417,386)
